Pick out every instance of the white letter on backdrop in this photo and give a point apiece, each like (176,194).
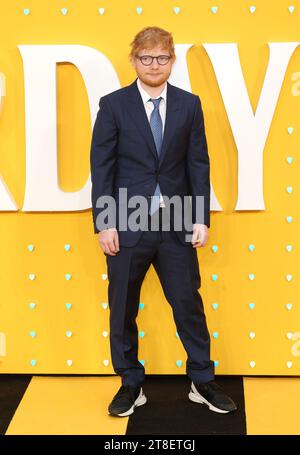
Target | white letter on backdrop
(7,201)
(42,191)
(250,131)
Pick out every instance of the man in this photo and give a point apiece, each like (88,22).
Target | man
(149,138)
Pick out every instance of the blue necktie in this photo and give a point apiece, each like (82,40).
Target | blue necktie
(156,128)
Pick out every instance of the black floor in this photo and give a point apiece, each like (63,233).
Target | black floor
(12,389)
(169,411)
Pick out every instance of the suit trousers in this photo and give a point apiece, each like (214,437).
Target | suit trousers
(178,270)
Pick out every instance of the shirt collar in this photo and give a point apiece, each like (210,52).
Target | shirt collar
(145,96)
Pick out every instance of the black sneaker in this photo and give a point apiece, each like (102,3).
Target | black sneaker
(126,399)
(211,394)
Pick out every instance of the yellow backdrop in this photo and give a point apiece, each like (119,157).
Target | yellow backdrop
(247,339)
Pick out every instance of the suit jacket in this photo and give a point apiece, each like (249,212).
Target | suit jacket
(123,154)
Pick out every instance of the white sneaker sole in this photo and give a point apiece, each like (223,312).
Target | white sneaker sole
(195,396)
(141,399)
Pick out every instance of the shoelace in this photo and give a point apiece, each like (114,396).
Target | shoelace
(123,390)
(213,385)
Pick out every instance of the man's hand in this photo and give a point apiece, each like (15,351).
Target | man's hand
(200,235)
(109,241)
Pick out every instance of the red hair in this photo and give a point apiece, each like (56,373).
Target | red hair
(150,37)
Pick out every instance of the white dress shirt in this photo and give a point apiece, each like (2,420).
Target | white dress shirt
(149,106)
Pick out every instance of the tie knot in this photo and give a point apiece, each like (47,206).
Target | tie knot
(155,101)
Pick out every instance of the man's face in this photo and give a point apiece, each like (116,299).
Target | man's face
(155,74)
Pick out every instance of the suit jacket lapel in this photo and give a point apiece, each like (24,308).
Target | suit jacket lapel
(140,118)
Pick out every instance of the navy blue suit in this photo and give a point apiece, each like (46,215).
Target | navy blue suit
(123,154)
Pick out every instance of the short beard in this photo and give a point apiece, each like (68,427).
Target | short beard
(155,82)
